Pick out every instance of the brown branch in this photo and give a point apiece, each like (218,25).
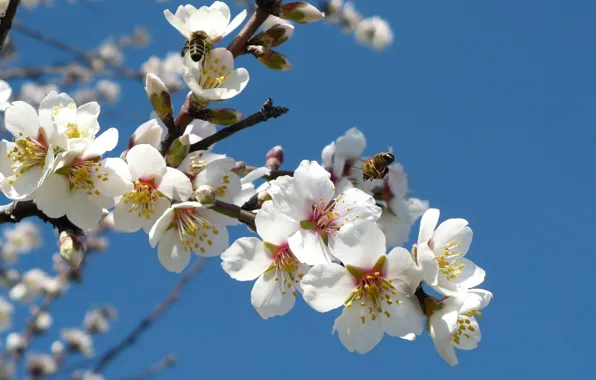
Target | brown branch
(264,9)
(235,212)
(16,211)
(267,111)
(148,321)
(6,21)
(167,362)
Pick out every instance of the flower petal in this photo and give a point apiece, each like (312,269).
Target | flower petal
(469,339)
(235,22)
(159,208)
(126,219)
(453,231)
(246,259)
(355,204)
(327,286)
(476,299)
(406,319)
(309,248)
(273,226)
(425,258)
(82,212)
(178,24)
(471,276)
(359,244)
(403,271)
(145,162)
(117,178)
(175,185)
(355,335)
(54,196)
(160,227)
(268,296)
(103,143)
(21,120)
(314,182)
(87,118)
(427,225)
(171,253)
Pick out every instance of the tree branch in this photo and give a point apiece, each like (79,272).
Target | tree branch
(148,321)
(267,111)
(235,212)
(165,363)
(6,21)
(263,10)
(16,211)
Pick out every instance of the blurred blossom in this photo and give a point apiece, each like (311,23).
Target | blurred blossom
(21,239)
(9,277)
(5,92)
(57,348)
(140,37)
(350,18)
(6,310)
(31,4)
(15,342)
(33,93)
(78,341)
(3,6)
(111,53)
(169,70)
(43,322)
(40,365)
(84,95)
(374,32)
(333,11)
(108,90)
(7,369)
(34,283)
(97,320)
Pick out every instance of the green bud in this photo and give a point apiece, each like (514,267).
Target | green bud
(159,97)
(71,249)
(178,151)
(274,36)
(301,12)
(274,60)
(221,116)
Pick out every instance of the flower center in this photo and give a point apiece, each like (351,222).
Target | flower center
(324,217)
(214,75)
(72,131)
(287,269)
(448,264)
(83,174)
(464,325)
(194,231)
(374,292)
(142,199)
(196,164)
(27,154)
(221,191)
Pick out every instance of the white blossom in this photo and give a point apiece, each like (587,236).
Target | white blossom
(374,32)
(108,89)
(34,283)
(78,341)
(43,321)
(339,157)
(169,70)
(15,342)
(33,93)
(5,92)
(110,52)
(40,365)
(150,132)
(375,289)
(21,239)
(440,254)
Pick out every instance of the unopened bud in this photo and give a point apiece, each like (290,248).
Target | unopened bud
(273,60)
(205,194)
(274,36)
(221,116)
(149,132)
(301,12)
(159,96)
(42,323)
(178,151)
(57,348)
(239,168)
(274,158)
(71,249)
(263,197)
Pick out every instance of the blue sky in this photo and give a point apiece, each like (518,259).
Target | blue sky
(489,107)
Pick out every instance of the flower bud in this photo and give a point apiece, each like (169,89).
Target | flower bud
(301,12)
(221,116)
(178,151)
(149,132)
(274,36)
(274,60)
(274,158)
(159,96)
(263,197)
(57,348)
(205,194)
(71,249)
(42,323)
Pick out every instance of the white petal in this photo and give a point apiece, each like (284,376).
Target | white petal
(471,337)
(145,162)
(175,185)
(235,22)
(314,182)
(476,299)
(87,118)
(355,335)
(21,120)
(447,351)
(219,242)
(273,226)
(453,231)
(24,185)
(125,220)
(327,286)
(425,258)
(396,230)
(351,145)
(159,208)
(354,204)
(82,212)
(309,248)
(289,199)
(210,21)
(246,259)
(103,143)
(234,85)
(160,227)
(268,297)
(118,178)
(427,225)
(403,271)
(472,275)
(178,24)
(406,319)
(54,197)
(171,253)
(359,244)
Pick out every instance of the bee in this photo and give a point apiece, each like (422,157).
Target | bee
(198,46)
(376,167)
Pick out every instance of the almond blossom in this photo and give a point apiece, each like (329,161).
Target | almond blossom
(184,228)
(271,262)
(452,322)
(440,254)
(339,157)
(149,132)
(226,184)
(6,310)
(5,92)
(153,186)
(307,201)
(82,184)
(376,289)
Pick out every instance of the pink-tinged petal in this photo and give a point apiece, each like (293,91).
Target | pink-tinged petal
(171,253)
(269,298)
(427,225)
(453,234)
(175,185)
(359,244)
(314,182)
(426,261)
(403,271)
(327,286)
(273,226)
(406,319)
(103,143)
(309,248)
(145,162)
(235,22)
(118,180)
(21,120)
(159,207)
(178,24)
(54,197)
(355,335)
(127,220)
(355,204)
(160,227)
(82,212)
(246,259)
(476,299)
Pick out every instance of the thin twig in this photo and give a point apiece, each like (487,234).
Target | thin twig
(16,211)
(267,111)
(235,212)
(264,9)
(148,321)
(6,21)
(167,362)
